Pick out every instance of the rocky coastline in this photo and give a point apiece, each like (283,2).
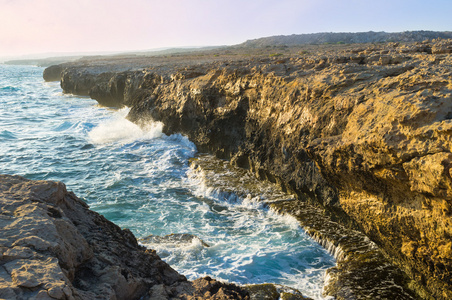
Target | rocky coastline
(54,247)
(360,131)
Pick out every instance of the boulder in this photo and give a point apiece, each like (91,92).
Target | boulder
(53,73)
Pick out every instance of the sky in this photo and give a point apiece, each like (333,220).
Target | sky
(61,26)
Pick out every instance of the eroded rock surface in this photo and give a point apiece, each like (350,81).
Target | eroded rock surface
(362,130)
(52,73)
(269,291)
(174,239)
(53,247)
(361,272)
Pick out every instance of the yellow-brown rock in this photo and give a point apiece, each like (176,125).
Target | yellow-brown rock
(364,131)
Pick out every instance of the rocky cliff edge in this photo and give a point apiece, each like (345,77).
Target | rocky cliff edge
(363,131)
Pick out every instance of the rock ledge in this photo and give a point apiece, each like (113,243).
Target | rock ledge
(362,131)
(53,247)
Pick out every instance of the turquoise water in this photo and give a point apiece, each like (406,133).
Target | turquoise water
(140,179)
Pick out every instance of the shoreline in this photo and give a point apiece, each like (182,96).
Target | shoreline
(58,108)
(54,247)
(361,268)
(360,131)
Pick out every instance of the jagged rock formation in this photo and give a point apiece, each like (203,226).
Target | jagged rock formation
(53,247)
(274,292)
(52,73)
(174,239)
(361,271)
(362,130)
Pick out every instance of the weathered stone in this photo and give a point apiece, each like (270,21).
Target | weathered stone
(362,271)
(430,174)
(53,73)
(210,289)
(442,47)
(54,247)
(177,239)
(269,291)
(263,292)
(368,140)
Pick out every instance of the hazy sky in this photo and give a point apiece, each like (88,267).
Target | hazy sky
(43,26)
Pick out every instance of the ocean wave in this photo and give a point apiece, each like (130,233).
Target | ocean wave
(7,135)
(137,178)
(119,129)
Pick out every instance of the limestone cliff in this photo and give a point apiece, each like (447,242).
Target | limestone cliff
(362,130)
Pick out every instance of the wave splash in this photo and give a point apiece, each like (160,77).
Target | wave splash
(259,245)
(139,178)
(120,130)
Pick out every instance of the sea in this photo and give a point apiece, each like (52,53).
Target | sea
(141,179)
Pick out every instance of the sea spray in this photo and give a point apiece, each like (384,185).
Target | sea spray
(139,178)
(119,129)
(237,188)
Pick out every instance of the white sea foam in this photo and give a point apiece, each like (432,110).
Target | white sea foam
(137,184)
(119,129)
(286,219)
(173,251)
(261,234)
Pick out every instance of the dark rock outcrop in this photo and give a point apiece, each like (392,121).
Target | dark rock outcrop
(53,247)
(268,291)
(361,130)
(177,239)
(52,73)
